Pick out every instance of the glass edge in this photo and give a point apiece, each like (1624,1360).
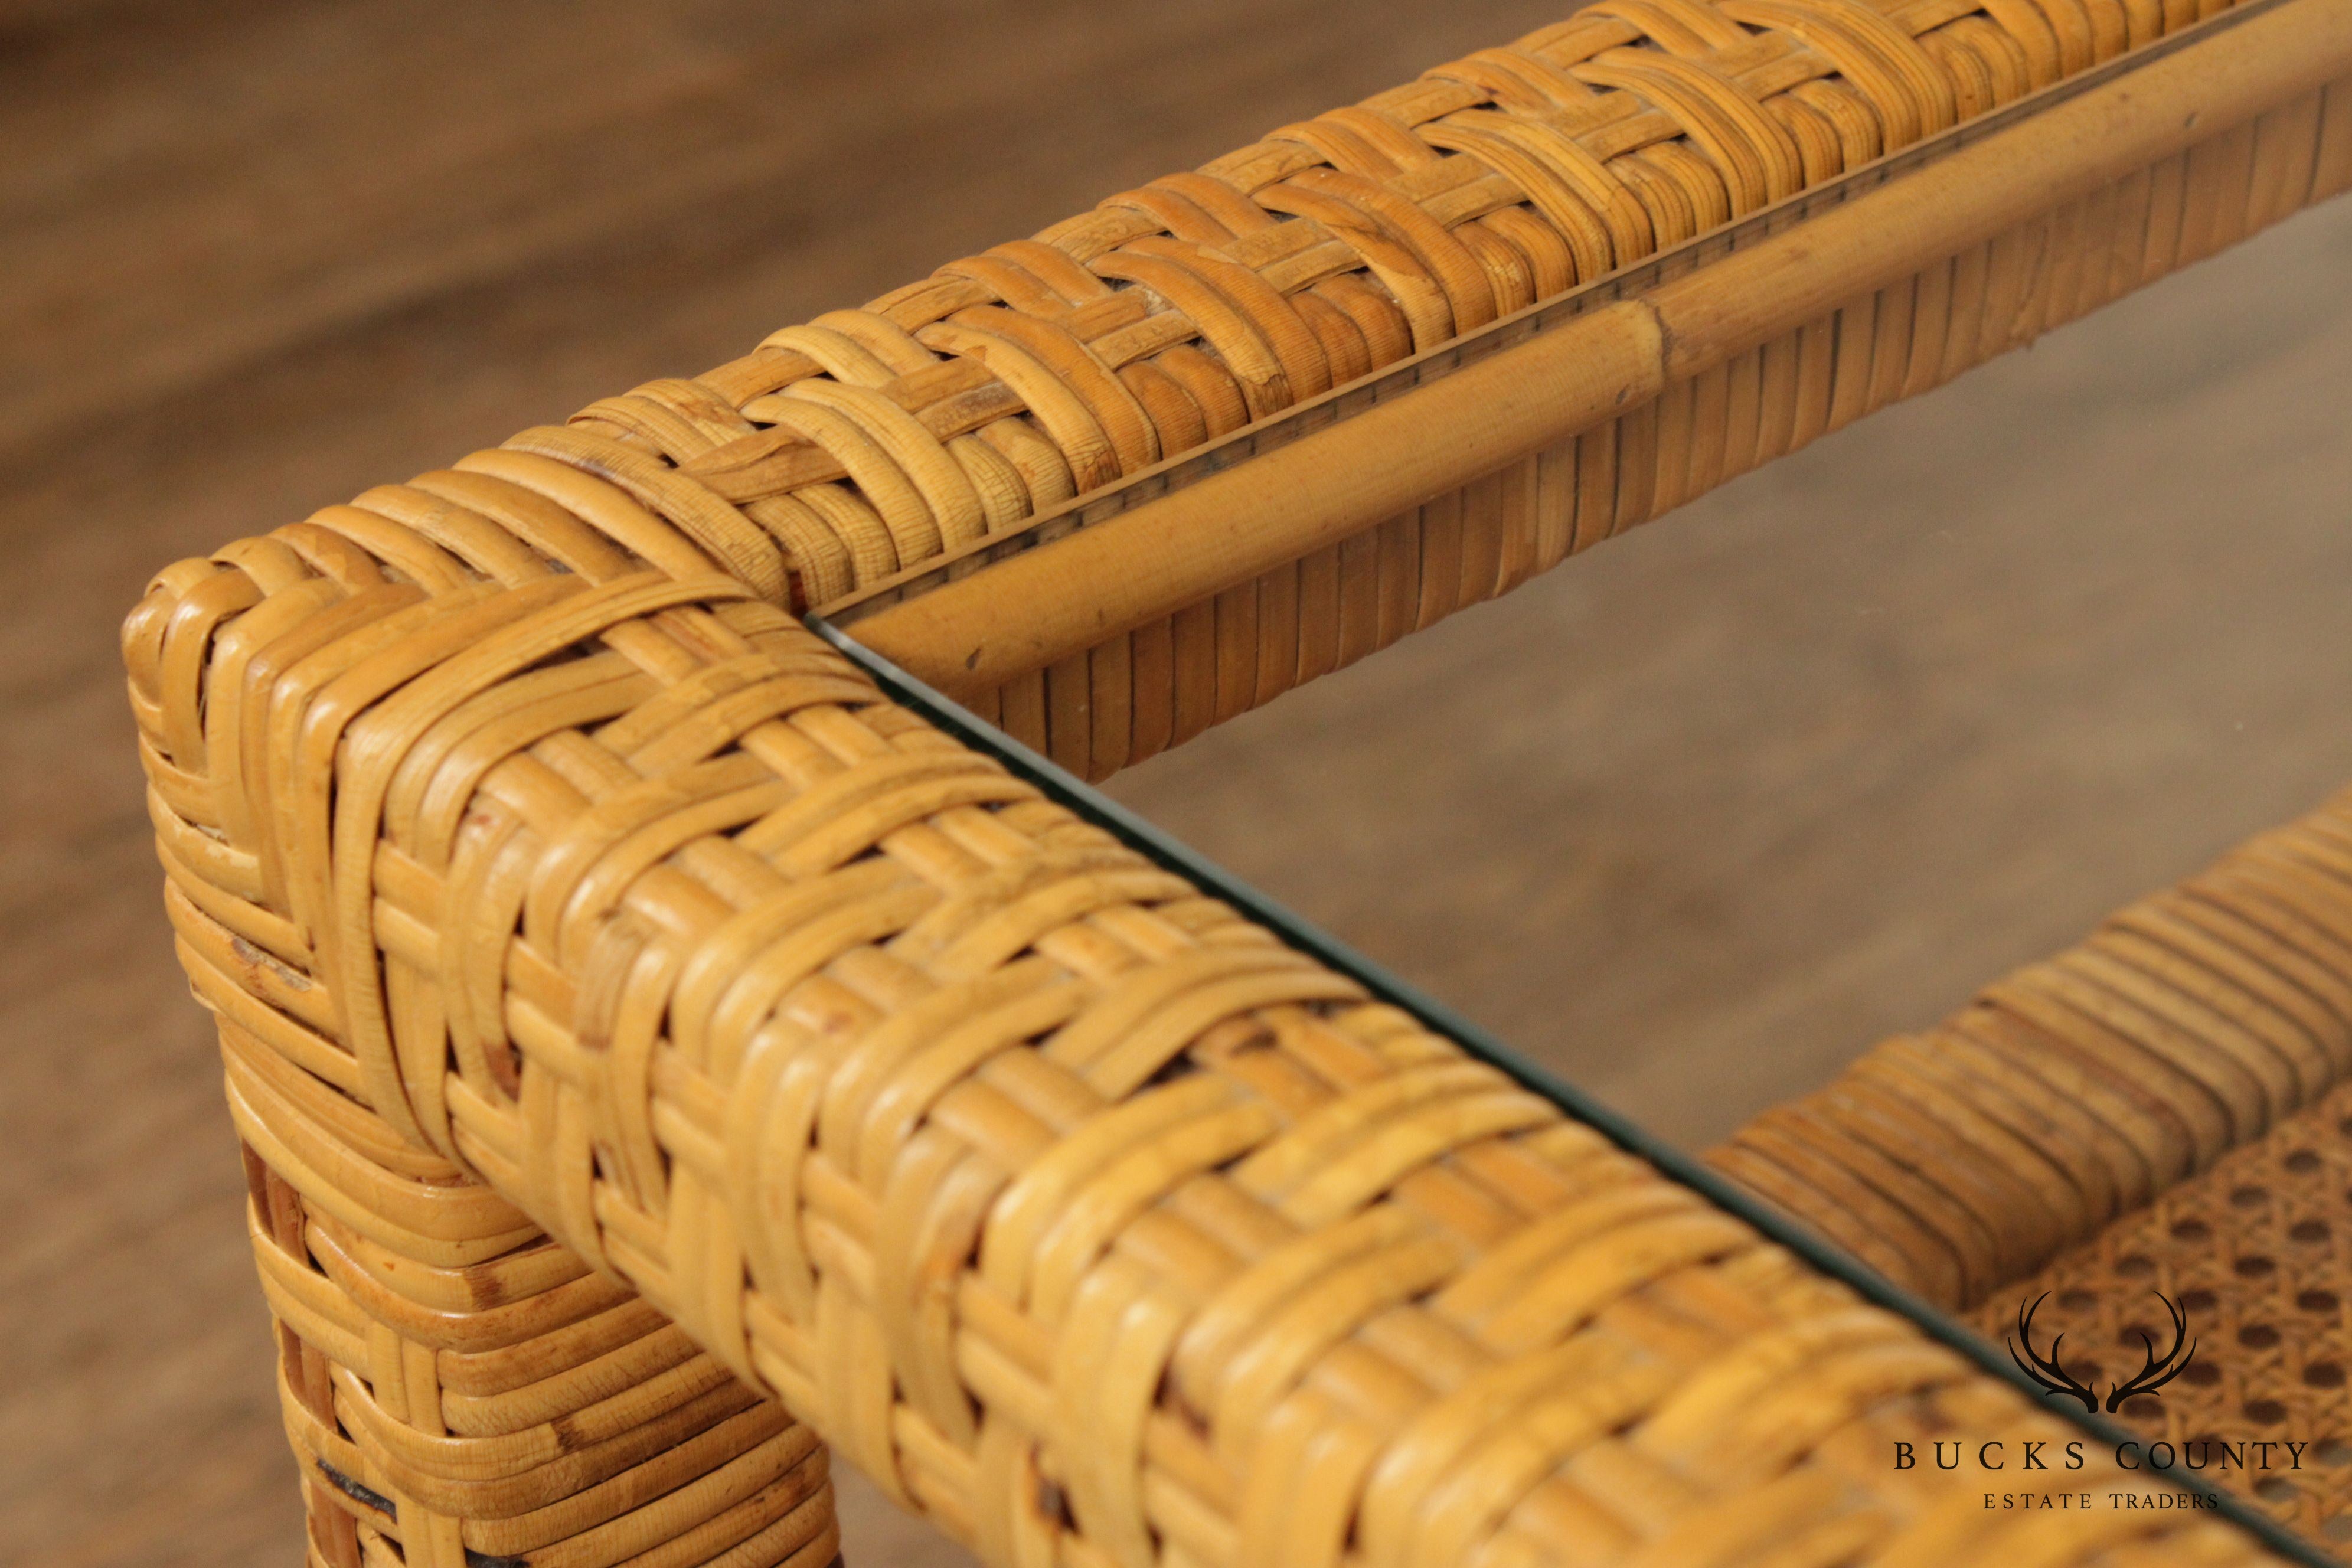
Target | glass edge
(1173,854)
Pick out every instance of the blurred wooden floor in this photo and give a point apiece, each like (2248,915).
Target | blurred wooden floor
(1695,819)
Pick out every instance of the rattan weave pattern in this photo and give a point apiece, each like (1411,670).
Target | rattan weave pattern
(461,1390)
(869,440)
(1067,1204)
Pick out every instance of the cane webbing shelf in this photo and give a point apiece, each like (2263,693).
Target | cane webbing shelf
(630,1011)
(2161,1108)
(2253,1251)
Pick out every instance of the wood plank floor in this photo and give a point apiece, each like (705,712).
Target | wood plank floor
(1695,819)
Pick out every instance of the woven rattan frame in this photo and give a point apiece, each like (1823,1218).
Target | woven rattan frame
(1103,1225)
(1069,1205)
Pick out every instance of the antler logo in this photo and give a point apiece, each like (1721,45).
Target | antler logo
(2153,1373)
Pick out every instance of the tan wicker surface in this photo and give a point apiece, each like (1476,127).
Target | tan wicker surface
(1070,1206)
(462,1392)
(1066,1204)
(2183,1068)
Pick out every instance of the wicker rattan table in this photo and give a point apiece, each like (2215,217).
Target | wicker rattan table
(647,1033)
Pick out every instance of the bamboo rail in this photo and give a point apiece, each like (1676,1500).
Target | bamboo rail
(1336,482)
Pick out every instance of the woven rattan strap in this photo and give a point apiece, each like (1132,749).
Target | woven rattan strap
(520,837)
